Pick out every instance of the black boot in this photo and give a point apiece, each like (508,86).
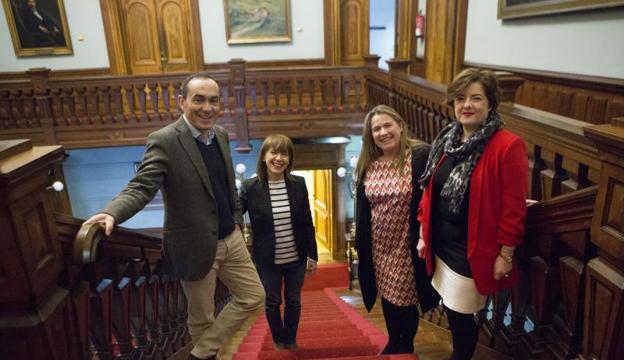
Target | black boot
(392,315)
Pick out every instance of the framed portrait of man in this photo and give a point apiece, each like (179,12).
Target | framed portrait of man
(38,27)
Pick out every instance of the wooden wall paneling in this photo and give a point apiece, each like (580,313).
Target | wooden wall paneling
(595,100)
(405,39)
(354,15)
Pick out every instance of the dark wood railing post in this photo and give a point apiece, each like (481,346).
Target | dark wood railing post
(604,286)
(43,111)
(237,71)
(371,60)
(398,65)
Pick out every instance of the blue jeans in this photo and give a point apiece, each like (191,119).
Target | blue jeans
(283,331)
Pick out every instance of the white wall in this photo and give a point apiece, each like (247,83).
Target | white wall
(84,19)
(587,43)
(382,13)
(307,35)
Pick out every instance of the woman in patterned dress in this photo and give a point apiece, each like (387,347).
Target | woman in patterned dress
(473,206)
(388,194)
(284,244)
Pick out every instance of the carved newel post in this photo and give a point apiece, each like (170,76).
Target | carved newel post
(604,288)
(35,320)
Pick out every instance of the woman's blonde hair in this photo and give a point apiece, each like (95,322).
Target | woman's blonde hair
(281,144)
(370,152)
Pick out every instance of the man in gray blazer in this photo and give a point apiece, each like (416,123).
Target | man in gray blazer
(190,162)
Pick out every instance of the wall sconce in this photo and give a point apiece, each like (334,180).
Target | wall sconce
(343,172)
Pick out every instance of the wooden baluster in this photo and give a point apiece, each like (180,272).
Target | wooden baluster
(176,93)
(139,271)
(15,108)
(277,92)
(545,289)
(144,117)
(163,315)
(493,326)
(117,111)
(536,166)
(324,91)
(81,109)
(174,327)
(358,88)
(265,96)
(254,101)
(346,87)
(152,318)
(120,314)
(520,301)
(129,91)
(288,92)
(92,105)
(312,92)
(225,95)
(153,95)
(5,110)
(56,105)
(181,313)
(166,100)
(100,318)
(300,107)
(69,104)
(334,86)
(105,98)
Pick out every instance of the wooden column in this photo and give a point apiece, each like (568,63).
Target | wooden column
(43,112)
(371,61)
(36,320)
(237,74)
(440,40)
(604,292)
(406,11)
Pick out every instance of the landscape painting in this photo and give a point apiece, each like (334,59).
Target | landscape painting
(257,21)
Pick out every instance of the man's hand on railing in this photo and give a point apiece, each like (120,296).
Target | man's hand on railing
(107,221)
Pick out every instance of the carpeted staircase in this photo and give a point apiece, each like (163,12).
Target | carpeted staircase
(329,329)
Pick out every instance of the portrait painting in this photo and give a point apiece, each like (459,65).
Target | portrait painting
(257,21)
(38,27)
(513,9)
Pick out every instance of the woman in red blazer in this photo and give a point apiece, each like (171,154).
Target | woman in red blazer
(473,206)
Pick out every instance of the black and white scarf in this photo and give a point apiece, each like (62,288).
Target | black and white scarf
(466,154)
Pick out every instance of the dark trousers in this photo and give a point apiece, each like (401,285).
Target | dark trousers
(402,324)
(284,331)
(465,334)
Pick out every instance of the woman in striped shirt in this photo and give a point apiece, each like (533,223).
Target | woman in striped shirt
(284,245)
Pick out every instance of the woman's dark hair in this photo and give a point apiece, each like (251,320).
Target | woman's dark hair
(280,143)
(464,79)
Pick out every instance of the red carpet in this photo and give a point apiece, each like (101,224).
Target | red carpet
(329,328)
(327,276)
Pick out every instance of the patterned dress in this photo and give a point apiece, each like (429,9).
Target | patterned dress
(390,197)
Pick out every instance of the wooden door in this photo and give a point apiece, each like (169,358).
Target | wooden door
(322,208)
(158,36)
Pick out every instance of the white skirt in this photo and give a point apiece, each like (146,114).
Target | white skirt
(459,293)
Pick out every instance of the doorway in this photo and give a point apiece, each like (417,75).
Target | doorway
(153,36)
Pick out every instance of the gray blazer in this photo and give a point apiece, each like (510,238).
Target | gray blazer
(172,162)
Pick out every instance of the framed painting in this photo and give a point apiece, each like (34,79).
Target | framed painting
(512,9)
(38,27)
(257,21)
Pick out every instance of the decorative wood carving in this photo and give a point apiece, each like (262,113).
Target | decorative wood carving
(354,31)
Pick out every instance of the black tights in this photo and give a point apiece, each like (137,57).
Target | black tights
(402,324)
(465,334)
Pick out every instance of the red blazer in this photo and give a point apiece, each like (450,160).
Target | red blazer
(496,209)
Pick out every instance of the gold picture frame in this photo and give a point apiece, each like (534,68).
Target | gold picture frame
(253,21)
(513,9)
(38,27)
